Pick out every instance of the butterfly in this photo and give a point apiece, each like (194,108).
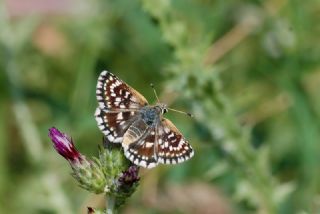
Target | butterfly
(124,116)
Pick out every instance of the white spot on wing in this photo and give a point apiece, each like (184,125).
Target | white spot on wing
(151,165)
(97,112)
(191,154)
(171,135)
(160,160)
(143,163)
(110,138)
(118,140)
(136,162)
(105,132)
(120,116)
(166,144)
(99,120)
(99,84)
(148,145)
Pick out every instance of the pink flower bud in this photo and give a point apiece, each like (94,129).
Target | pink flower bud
(64,146)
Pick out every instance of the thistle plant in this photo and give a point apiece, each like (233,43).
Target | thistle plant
(110,173)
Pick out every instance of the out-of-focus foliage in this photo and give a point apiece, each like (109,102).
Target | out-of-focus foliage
(248,70)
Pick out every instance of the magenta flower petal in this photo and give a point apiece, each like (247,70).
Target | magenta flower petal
(64,146)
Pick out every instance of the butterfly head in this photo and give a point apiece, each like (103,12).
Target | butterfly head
(163,108)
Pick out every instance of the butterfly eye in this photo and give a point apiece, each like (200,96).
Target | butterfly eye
(164,110)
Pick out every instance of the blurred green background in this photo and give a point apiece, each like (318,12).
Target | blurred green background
(248,70)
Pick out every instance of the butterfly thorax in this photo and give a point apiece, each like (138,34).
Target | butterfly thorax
(151,114)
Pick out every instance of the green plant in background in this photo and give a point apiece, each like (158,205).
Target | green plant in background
(210,102)
(194,74)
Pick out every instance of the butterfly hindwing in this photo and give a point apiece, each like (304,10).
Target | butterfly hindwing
(160,144)
(114,94)
(139,144)
(114,124)
(172,148)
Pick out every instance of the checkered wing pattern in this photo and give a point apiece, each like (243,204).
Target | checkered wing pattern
(122,120)
(114,94)
(114,124)
(172,148)
(118,106)
(139,145)
(164,143)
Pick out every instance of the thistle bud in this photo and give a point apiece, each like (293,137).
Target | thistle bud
(63,144)
(110,173)
(129,177)
(127,184)
(87,172)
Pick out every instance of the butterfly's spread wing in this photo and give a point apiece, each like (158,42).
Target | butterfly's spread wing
(115,95)
(118,106)
(172,146)
(147,146)
(138,144)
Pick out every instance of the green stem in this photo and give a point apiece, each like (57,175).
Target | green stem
(111,201)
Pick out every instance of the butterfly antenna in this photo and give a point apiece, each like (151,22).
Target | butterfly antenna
(155,92)
(182,112)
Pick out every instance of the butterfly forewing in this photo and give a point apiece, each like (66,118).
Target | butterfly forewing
(114,94)
(172,146)
(118,105)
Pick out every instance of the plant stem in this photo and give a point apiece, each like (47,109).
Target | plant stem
(110,205)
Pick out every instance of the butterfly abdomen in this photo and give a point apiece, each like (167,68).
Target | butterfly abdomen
(134,132)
